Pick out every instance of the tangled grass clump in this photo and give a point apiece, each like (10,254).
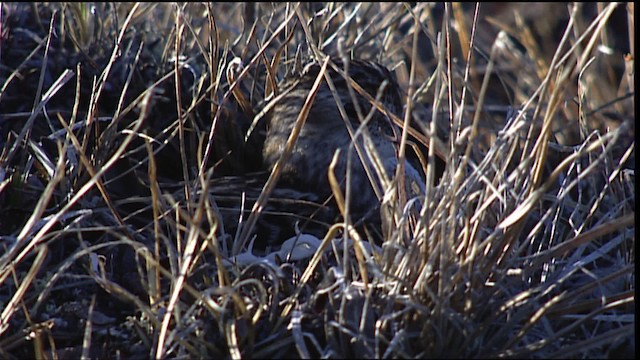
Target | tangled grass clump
(123,130)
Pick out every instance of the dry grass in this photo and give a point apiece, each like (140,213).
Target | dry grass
(113,237)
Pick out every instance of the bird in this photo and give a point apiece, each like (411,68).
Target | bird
(303,201)
(325,131)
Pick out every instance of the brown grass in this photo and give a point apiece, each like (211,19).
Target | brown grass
(119,123)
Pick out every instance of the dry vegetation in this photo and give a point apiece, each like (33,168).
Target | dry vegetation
(112,242)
